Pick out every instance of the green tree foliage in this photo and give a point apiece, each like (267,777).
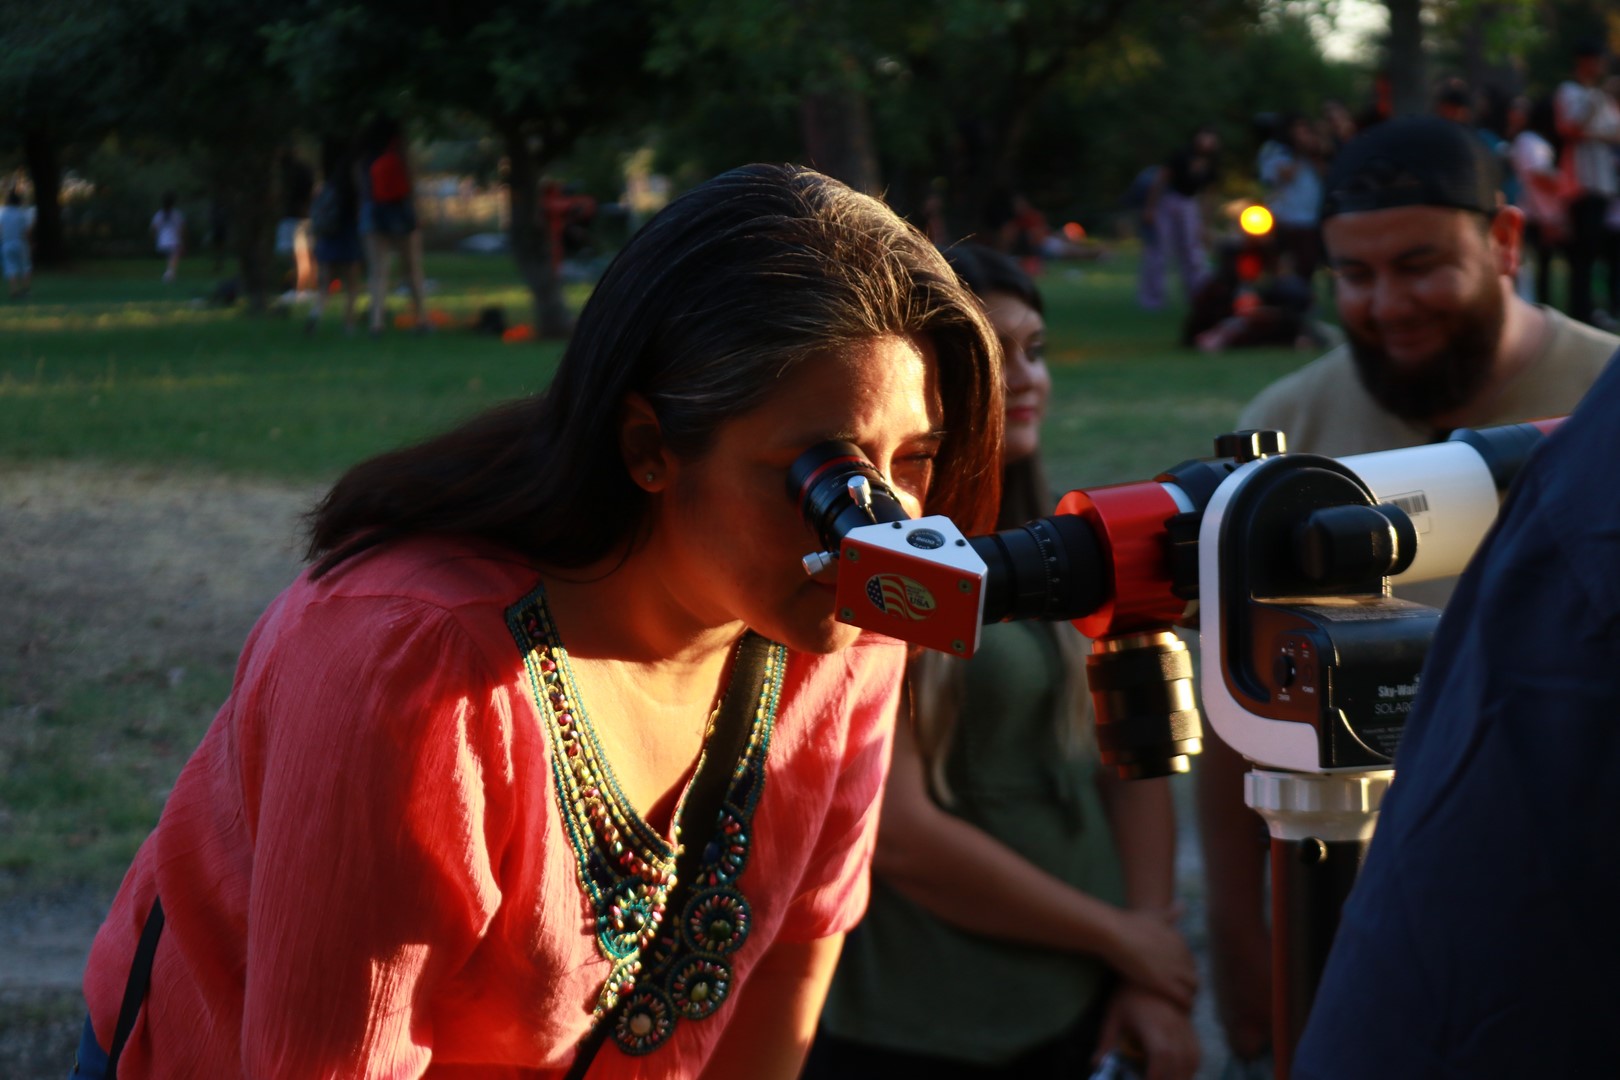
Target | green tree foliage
(189,76)
(1493,31)
(797,79)
(57,92)
(1546,55)
(1063,100)
(211,90)
(1498,47)
(1113,118)
(887,93)
(541,74)
(977,77)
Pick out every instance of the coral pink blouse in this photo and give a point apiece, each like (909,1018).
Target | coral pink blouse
(364,867)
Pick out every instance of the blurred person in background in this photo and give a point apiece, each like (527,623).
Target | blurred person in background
(1338,127)
(1172,220)
(1540,186)
(1290,170)
(169,235)
(16,233)
(296,184)
(388,222)
(1588,121)
(335,223)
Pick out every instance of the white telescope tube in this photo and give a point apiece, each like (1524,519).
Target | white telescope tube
(1448,492)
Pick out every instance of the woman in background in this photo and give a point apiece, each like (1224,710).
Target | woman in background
(388,222)
(1022,918)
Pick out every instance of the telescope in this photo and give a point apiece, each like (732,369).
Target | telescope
(1282,562)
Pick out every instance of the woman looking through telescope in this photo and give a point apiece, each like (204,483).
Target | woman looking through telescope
(556,746)
(1022,919)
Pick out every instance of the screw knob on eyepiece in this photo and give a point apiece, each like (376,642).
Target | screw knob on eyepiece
(860,493)
(860,490)
(817,561)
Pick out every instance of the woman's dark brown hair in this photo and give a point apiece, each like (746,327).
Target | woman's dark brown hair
(702,314)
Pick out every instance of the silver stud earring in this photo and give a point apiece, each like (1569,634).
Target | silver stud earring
(651,477)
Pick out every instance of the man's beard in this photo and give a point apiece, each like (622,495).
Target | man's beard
(1445,381)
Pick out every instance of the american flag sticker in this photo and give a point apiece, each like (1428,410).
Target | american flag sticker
(899,596)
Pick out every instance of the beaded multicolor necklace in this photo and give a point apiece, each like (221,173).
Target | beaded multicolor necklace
(627,870)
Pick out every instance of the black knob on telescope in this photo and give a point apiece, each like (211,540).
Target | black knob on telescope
(1147,719)
(1339,545)
(1250,445)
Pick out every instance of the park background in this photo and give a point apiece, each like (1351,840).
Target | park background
(158,445)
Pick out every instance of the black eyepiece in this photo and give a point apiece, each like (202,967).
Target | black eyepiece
(837,489)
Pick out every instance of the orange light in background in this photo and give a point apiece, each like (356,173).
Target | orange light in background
(1255,220)
(1074,231)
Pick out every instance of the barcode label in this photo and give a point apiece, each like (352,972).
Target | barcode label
(1415,503)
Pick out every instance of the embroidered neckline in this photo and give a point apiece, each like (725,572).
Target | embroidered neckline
(626,869)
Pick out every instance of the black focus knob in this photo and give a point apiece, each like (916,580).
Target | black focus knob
(1339,545)
(1251,445)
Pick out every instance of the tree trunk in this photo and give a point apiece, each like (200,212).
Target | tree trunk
(982,179)
(45,173)
(531,239)
(1406,65)
(247,183)
(1473,51)
(1486,73)
(837,132)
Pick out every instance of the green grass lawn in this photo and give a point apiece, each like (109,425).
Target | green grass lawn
(104,363)
(1127,401)
(108,363)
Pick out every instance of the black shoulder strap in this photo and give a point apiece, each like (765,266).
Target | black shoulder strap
(701,810)
(140,977)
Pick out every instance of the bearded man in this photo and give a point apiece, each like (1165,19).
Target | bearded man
(1424,254)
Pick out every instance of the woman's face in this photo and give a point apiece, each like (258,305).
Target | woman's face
(1022,333)
(729,537)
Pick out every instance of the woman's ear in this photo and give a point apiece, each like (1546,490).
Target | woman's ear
(641,444)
